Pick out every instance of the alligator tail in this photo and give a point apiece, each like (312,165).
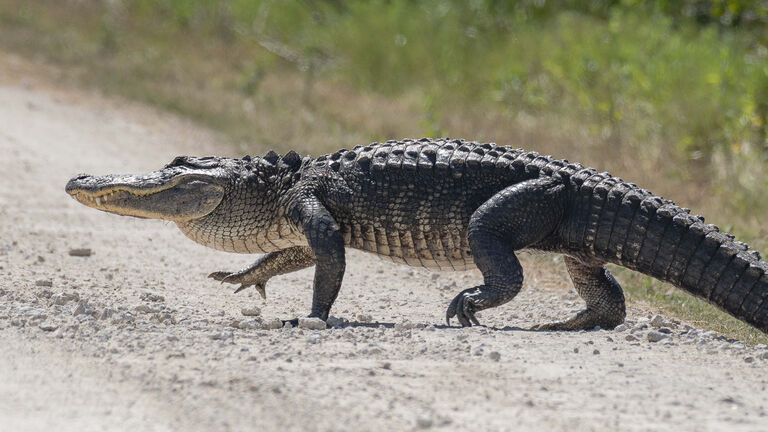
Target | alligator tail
(660,239)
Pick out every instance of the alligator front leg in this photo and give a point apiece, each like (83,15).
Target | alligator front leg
(327,244)
(268,265)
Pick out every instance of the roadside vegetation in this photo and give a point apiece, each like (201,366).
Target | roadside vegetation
(672,95)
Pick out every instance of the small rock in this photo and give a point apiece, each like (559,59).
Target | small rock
(335,322)
(620,328)
(749,359)
(163,318)
(630,338)
(151,296)
(364,318)
(81,252)
(48,326)
(654,336)
(64,298)
(224,335)
(314,338)
(596,352)
(251,324)
(287,325)
(312,323)
(250,311)
(147,309)
(495,356)
(82,308)
(107,313)
(272,324)
(657,321)
(424,421)
(44,283)
(122,318)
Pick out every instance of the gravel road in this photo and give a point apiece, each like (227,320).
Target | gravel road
(109,323)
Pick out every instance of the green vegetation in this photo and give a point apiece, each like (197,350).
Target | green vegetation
(672,94)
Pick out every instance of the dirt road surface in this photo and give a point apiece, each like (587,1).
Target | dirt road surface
(135,337)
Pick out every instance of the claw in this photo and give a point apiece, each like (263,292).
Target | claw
(463,308)
(261,290)
(234,278)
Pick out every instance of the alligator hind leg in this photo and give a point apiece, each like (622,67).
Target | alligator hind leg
(601,292)
(514,218)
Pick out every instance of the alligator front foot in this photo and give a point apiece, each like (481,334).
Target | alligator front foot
(243,278)
(587,319)
(464,306)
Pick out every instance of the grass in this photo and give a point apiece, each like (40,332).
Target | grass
(674,105)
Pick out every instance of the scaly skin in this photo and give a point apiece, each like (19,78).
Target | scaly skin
(441,204)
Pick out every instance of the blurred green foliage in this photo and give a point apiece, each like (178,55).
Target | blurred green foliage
(694,73)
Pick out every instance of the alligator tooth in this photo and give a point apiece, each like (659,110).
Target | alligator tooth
(98,200)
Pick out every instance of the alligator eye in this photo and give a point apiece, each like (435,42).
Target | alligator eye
(178,161)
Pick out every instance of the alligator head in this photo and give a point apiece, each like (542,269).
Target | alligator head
(187,188)
(192,189)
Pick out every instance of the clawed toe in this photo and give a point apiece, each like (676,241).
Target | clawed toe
(219,275)
(463,307)
(239,278)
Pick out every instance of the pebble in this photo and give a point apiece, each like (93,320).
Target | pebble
(657,321)
(64,298)
(495,356)
(48,326)
(122,318)
(314,338)
(312,323)
(364,318)
(80,252)
(107,313)
(424,421)
(151,296)
(82,308)
(654,336)
(251,324)
(272,324)
(749,359)
(163,318)
(147,309)
(250,311)
(630,338)
(44,283)
(335,322)
(620,328)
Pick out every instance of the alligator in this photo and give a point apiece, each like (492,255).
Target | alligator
(441,204)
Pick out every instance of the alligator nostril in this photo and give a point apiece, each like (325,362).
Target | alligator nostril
(81,176)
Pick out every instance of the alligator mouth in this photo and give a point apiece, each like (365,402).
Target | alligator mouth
(179,198)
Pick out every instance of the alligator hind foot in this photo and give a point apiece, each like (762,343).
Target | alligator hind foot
(584,320)
(601,292)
